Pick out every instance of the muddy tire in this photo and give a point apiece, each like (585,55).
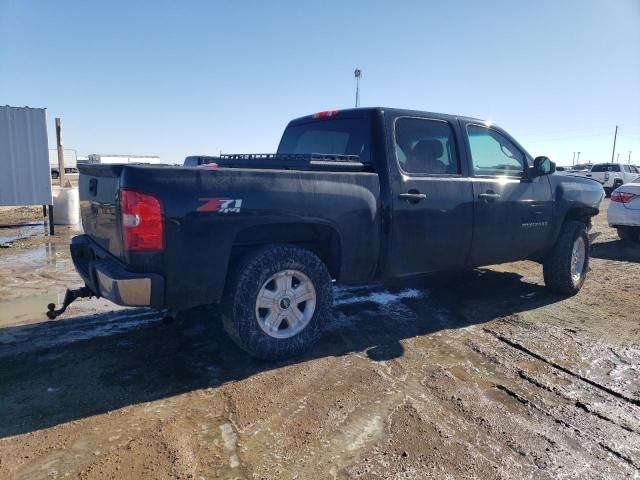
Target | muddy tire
(565,267)
(629,234)
(277,302)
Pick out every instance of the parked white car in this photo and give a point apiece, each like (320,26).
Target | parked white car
(612,175)
(624,211)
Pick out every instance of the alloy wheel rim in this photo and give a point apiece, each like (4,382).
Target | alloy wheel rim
(578,260)
(285,304)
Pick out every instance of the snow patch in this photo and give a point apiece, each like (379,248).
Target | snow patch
(381,298)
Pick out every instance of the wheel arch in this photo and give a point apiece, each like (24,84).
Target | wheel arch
(582,214)
(320,238)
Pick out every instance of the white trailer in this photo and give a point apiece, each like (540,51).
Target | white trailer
(70,161)
(110,159)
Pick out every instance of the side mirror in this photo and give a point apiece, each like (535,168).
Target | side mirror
(543,166)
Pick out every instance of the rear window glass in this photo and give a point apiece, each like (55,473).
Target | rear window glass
(347,136)
(606,167)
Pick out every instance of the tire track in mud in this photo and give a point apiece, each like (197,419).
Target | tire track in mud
(611,436)
(537,356)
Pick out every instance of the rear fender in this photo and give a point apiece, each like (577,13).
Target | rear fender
(320,238)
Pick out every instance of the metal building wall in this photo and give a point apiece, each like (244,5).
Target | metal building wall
(25,175)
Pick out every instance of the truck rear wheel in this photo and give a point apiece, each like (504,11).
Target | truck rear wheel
(565,267)
(278,301)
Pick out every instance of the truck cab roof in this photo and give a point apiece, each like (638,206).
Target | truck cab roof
(367,111)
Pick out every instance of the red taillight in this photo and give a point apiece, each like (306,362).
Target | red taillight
(622,197)
(142,223)
(327,114)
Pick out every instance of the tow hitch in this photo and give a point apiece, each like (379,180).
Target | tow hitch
(69,298)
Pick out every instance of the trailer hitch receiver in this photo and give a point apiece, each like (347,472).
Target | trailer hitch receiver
(69,298)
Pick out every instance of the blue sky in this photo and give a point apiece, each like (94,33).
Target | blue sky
(179,78)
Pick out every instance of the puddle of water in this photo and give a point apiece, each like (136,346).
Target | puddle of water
(37,257)
(28,309)
(18,233)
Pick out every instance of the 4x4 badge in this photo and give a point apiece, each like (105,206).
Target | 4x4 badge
(220,205)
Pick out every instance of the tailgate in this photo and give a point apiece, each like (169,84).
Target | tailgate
(98,205)
(598,176)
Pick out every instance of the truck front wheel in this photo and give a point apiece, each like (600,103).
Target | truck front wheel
(277,302)
(565,267)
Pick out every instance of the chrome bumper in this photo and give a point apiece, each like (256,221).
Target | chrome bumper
(107,278)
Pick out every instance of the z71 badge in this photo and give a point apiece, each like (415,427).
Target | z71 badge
(220,205)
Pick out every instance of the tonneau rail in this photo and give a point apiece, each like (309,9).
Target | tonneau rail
(290,161)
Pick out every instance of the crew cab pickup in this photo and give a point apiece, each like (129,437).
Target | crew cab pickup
(612,175)
(350,196)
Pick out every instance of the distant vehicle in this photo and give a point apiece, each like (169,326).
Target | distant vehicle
(583,166)
(579,169)
(388,193)
(623,213)
(114,159)
(612,175)
(70,162)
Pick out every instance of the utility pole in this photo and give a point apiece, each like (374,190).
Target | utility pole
(358,74)
(60,152)
(615,136)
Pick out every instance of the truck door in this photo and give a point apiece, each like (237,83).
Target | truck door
(432,198)
(512,212)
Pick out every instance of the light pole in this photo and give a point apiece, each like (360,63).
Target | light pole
(578,159)
(629,161)
(357,73)
(615,136)
(573,160)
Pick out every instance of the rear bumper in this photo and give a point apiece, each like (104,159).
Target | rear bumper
(108,278)
(618,216)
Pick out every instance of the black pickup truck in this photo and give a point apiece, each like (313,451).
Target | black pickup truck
(350,196)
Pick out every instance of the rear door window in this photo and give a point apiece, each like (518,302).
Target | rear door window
(426,147)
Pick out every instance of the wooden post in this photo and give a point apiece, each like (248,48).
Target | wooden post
(60,152)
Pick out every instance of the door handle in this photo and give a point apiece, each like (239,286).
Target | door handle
(489,197)
(413,197)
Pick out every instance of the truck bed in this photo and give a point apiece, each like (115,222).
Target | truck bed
(281,204)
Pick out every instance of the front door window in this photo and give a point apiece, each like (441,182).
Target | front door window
(493,154)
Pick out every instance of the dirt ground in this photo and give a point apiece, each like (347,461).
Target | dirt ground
(481,376)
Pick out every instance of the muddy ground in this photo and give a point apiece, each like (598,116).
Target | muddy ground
(481,376)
